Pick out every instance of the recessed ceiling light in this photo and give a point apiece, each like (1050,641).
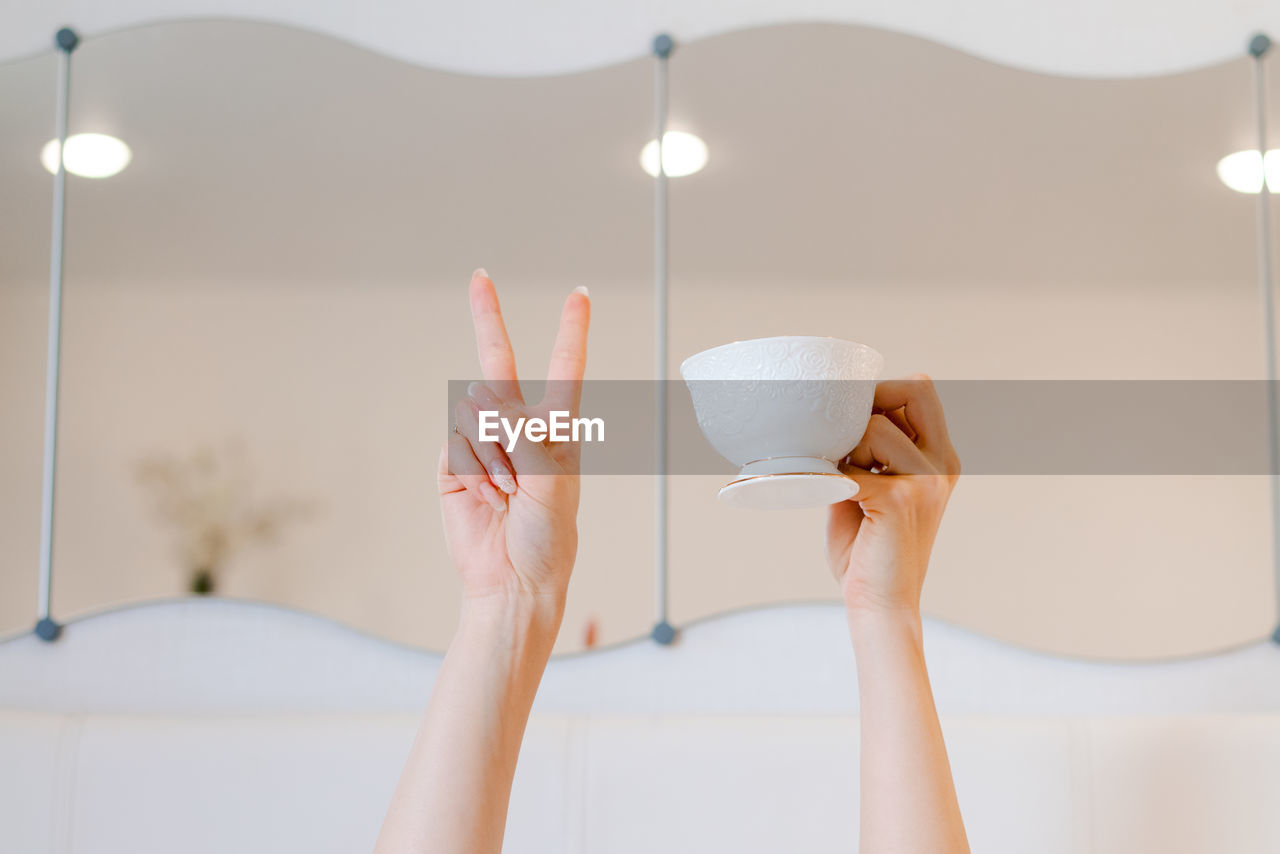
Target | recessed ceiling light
(90,155)
(1243,170)
(682,154)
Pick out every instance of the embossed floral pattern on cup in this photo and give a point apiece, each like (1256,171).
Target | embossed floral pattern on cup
(788,397)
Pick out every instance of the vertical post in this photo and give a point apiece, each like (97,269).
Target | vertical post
(1259,45)
(46,629)
(663,632)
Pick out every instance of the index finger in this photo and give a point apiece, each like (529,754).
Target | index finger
(497,361)
(923,408)
(569,355)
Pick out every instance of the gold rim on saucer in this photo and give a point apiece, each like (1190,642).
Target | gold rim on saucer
(788,490)
(786,474)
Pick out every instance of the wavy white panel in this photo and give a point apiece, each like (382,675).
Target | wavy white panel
(213,656)
(510,37)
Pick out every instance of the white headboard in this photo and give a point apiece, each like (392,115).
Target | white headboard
(215,725)
(220,655)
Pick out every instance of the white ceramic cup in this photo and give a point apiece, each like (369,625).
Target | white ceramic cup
(785,407)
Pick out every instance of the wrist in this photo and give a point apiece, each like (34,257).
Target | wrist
(880,625)
(514,618)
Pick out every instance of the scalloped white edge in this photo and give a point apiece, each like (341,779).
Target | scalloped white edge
(1087,38)
(220,655)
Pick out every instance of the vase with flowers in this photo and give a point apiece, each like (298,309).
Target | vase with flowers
(207,498)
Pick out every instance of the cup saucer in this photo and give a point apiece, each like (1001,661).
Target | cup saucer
(788,490)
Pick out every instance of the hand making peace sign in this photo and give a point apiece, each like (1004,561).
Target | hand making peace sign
(511,519)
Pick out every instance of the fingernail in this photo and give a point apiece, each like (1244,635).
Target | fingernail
(480,273)
(482,395)
(504,480)
(582,289)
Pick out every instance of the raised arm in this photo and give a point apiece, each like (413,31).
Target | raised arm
(510,523)
(878,544)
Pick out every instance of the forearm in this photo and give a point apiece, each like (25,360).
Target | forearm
(908,798)
(453,792)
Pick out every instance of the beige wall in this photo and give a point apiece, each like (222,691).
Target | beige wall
(339,394)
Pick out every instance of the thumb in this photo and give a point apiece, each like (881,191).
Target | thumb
(445,479)
(873,489)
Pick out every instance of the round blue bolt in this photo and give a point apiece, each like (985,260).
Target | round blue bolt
(66,39)
(1259,45)
(47,630)
(663,633)
(663,44)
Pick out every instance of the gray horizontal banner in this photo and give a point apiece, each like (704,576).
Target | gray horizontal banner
(998,427)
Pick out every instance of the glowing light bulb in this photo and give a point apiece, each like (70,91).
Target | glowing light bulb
(682,154)
(1243,171)
(90,155)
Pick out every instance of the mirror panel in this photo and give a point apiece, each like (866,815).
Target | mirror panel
(977,222)
(271,298)
(283,269)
